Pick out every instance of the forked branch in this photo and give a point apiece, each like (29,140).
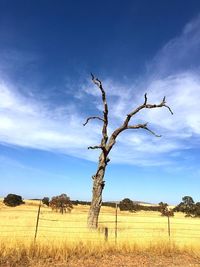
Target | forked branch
(143,126)
(105,110)
(95,147)
(103,148)
(106,145)
(145,105)
(91,118)
(126,126)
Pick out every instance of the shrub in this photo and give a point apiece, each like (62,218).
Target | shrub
(45,201)
(13,200)
(127,204)
(165,211)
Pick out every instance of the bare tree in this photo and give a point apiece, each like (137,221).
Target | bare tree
(107,144)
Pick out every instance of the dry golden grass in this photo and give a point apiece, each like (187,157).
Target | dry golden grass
(66,237)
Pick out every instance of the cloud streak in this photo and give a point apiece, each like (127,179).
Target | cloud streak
(174,72)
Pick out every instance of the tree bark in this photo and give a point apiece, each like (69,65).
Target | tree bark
(98,185)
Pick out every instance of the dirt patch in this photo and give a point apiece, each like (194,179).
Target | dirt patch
(117,260)
(138,260)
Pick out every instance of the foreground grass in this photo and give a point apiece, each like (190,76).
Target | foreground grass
(102,254)
(64,240)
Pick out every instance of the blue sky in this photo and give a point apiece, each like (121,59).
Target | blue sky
(47,51)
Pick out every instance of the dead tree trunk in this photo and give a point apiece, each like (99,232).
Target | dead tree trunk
(106,146)
(98,185)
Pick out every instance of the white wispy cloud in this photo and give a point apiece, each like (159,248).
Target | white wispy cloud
(27,123)
(179,54)
(174,73)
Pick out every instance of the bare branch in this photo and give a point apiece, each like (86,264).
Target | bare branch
(100,83)
(97,82)
(169,109)
(93,117)
(137,126)
(145,105)
(145,99)
(92,76)
(156,135)
(125,124)
(143,126)
(95,147)
(105,111)
(162,104)
(99,147)
(107,160)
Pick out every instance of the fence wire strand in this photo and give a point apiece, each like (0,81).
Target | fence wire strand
(129,230)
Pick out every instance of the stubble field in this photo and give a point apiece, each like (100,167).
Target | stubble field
(137,239)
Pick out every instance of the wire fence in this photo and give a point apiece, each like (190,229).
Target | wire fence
(41,222)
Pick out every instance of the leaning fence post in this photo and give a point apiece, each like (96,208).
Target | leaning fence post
(37,221)
(116,223)
(106,234)
(169,230)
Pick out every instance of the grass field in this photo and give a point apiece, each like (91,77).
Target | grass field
(66,236)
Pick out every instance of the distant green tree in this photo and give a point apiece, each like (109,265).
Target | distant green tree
(127,204)
(197,209)
(45,201)
(164,209)
(61,203)
(187,206)
(13,200)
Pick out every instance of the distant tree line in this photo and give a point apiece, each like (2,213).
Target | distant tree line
(189,207)
(47,201)
(128,205)
(80,202)
(134,206)
(63,204)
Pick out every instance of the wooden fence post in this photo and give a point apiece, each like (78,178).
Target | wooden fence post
(37,221)
(116,207)
(169,230)
(106,234)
